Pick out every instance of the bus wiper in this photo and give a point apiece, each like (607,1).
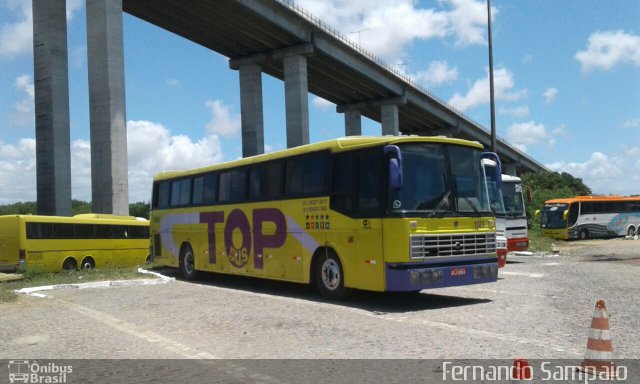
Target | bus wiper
(473,206)
(440,204)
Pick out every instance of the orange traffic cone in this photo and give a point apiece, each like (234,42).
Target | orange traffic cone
(599,356)
(521,370)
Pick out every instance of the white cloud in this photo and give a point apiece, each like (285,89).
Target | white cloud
(23,110)
(520,111)
(173,83)
(223,121)
(438,73)
(322,104)
(549,95)
(478,94)
(16,38)
(609,48)
(18,162)
(526,134)
(604,174)
(387,28)
(634,123)
(151,149)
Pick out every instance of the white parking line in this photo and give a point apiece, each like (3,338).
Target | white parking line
(534,275)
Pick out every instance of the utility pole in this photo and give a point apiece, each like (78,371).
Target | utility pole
(492,100)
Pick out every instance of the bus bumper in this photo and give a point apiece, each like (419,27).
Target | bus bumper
(518,244)
(415,277)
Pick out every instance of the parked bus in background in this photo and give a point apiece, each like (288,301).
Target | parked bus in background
(54,243)
(371,213)
(516,221)
(585,217)
(492,168)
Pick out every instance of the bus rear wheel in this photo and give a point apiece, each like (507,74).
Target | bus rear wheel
(330,277)
(70,264)
(631,231)
(88,263)
(187,263)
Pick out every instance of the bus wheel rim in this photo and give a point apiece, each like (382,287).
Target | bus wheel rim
(331,274)
(188,262)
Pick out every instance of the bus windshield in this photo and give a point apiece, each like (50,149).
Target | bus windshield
(431,185)
(552,216)
(513,200)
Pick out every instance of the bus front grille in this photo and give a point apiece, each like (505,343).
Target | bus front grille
(468,244)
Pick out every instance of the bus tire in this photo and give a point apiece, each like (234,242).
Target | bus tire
(583,234)
(69,264)
(187,263)
(330,276)
(88,263)
(631,231)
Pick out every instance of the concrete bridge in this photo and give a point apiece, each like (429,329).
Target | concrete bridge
(271,36)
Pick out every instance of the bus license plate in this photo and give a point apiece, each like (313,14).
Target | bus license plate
(458,272)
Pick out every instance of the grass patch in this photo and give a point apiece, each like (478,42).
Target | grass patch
(35,279)
(540,243)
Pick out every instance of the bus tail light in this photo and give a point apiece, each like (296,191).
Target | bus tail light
(23,256)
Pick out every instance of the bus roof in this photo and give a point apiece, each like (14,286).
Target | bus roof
(87,218)
(334,145)
(570,200)
(510,179)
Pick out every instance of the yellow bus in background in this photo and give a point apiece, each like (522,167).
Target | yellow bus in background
(371,213)
(54,243)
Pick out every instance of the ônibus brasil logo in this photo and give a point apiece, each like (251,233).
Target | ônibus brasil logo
(25,371)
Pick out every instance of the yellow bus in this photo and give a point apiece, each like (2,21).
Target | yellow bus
(54,243)
(584,217)
(371,213)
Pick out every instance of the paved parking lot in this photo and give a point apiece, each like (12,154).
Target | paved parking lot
(541,308)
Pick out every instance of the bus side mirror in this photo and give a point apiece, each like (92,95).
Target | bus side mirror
(565,214)
(537,213)
(395,166)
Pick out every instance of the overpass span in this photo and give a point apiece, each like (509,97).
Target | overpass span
(338,70)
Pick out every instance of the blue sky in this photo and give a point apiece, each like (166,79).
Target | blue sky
(567,77)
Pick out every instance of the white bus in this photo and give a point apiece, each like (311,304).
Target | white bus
(516,214)
(584,217)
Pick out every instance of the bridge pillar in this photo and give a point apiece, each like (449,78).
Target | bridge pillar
(389,119)
(53,156)
(296,100)
(509,169)
(109,179)
(352,123)
(251,110)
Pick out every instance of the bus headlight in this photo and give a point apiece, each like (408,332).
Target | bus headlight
(414,278)
(425,277)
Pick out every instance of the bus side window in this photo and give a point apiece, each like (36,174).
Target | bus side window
(232,186)
(369,187)
(164,191)
(198,190)
(342,196)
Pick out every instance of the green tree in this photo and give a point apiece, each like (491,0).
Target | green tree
(139,209)
(551,185)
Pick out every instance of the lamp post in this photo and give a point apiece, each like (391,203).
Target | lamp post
(492,100)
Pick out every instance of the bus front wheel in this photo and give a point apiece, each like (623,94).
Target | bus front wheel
(187,263)
(583,234)
(69,264)
(330,276)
